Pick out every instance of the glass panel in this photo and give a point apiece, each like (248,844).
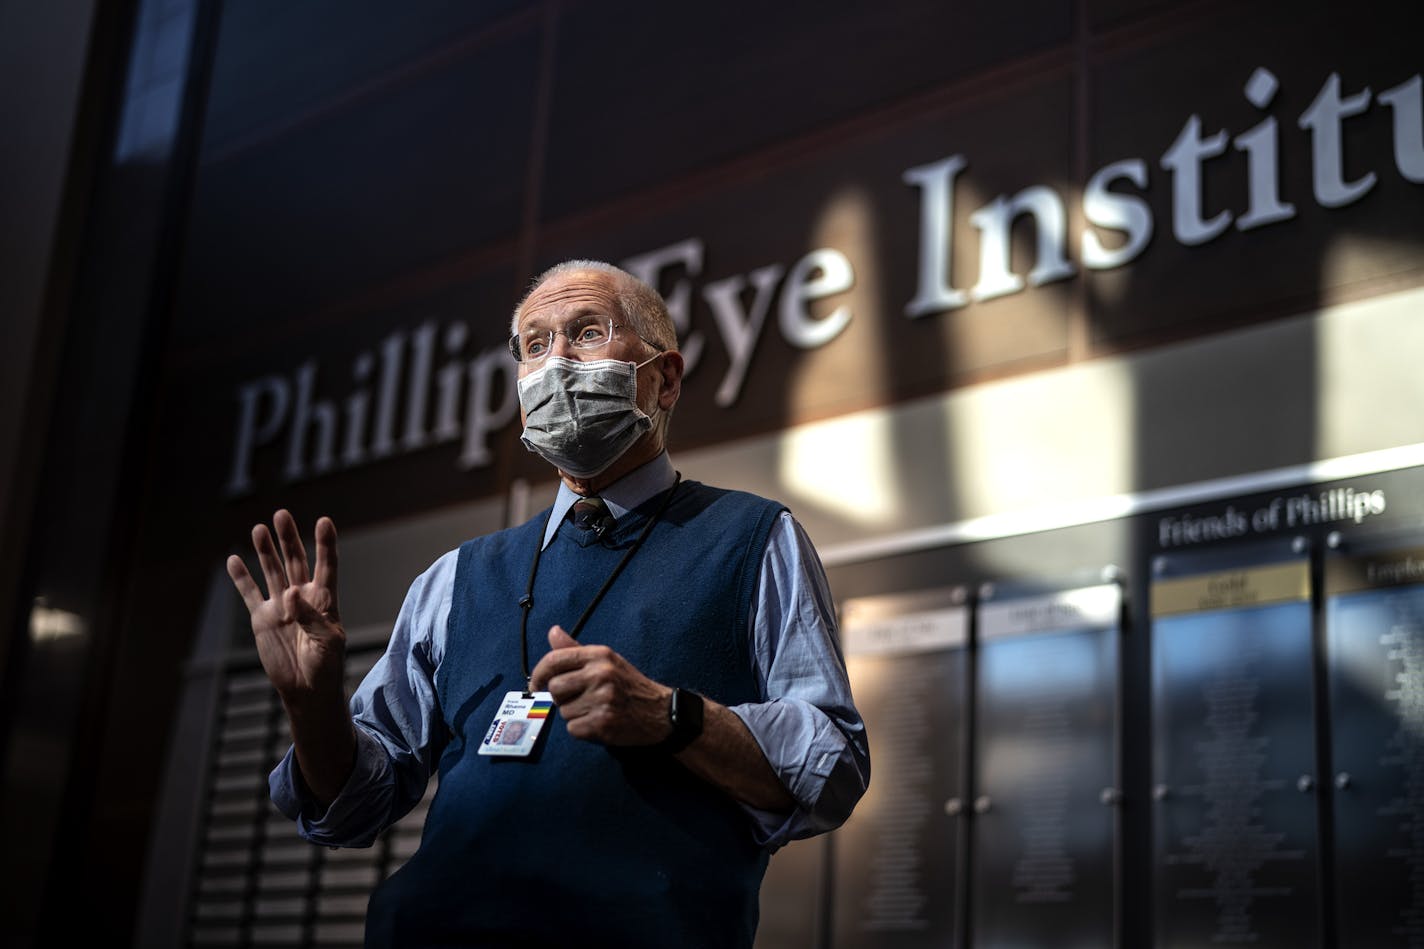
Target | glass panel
(1234,838)
(1046,772)
(1375,654)
(895,862)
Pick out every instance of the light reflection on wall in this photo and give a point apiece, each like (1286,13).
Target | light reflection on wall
(1000,450)
(847,469)
(48,624)
(864,353)
(1053,438)
(1368,393)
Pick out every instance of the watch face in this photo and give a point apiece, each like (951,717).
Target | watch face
(685,715)
(689,711)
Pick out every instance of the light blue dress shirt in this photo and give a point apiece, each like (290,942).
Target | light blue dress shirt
(806,722)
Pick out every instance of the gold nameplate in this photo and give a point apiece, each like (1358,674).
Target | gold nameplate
(1250,586)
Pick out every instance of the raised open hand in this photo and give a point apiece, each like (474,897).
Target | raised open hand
(297,626)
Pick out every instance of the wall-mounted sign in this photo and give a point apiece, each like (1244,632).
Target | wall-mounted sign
(1046,770)
(1233,770)
(947,227)
(1374,624)
(896,869)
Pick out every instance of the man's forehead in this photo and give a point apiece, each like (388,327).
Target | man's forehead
(570,295)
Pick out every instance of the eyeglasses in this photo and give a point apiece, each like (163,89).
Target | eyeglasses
(585,334)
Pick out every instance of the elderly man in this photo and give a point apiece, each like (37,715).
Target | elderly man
(683,634)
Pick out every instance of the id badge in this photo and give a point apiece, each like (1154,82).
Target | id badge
(516,725)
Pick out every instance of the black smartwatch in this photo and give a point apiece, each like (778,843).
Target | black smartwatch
(685,715)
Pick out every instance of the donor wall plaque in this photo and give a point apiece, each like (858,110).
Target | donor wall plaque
(897,861)
(1043,868)
(1374,622)
(1234,780)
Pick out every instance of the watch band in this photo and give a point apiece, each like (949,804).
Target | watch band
(685,709)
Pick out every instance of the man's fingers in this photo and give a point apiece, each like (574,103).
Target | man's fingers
(272,570)
(563,656)
(294,553)
(326,555)
(246,586)
(573,705)
(310,618)
(558,662)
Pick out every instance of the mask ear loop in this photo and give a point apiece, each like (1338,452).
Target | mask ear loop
(640,365)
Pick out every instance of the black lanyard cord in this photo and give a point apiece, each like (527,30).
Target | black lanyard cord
(526,602)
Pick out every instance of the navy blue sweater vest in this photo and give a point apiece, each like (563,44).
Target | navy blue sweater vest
(583,844)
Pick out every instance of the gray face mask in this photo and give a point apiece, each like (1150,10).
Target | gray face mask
(581,417)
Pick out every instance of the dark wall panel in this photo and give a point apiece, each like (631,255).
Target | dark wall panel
(397,179)
(697,86)
(278,61)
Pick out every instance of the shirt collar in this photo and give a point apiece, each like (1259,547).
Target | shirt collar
(621,496)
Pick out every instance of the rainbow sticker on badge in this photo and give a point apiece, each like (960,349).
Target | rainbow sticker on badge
(516,725)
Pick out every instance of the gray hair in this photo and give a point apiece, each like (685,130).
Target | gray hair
(640,304)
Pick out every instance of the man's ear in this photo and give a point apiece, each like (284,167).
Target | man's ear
(671,369)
